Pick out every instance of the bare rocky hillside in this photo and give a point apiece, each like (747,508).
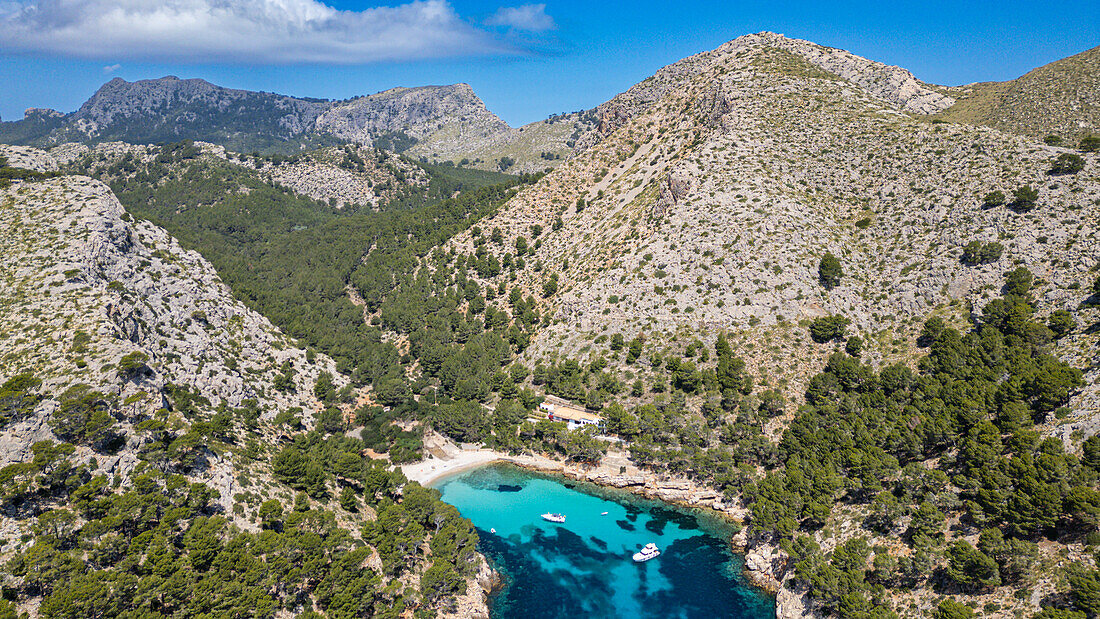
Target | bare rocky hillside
(87,287)
(893,84)
(534,147)
(340,176)
(446,118)
(710,208)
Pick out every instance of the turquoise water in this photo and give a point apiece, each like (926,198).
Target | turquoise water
(583,568)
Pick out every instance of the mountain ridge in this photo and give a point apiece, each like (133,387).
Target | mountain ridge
(172,109)
(450,123)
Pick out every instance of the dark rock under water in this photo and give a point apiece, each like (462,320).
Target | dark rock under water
(583,568)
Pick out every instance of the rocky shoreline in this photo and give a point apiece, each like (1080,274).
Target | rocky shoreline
(474,604)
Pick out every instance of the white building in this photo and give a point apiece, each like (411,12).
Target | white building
(557,409)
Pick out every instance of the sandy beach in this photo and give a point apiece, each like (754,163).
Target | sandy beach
(434,469)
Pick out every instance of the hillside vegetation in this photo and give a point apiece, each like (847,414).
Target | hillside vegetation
(165,451)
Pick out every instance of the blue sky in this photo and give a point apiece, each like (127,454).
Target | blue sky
(526,60)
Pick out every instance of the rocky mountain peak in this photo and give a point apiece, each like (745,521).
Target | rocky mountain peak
(892,84)
(719,183)
(450,112)
(120,98)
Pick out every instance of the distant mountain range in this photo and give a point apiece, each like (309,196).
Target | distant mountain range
(437,122)
(451,123)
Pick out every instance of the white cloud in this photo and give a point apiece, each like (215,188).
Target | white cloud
(530,17)
(247,31)
(111,68)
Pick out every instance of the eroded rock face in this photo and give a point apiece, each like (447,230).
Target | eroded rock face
(616,481)
(672,190)
(86,286)
(474,604)
(765,567)
(29,158)
(78,268)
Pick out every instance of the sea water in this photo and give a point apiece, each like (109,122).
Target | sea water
(583,568)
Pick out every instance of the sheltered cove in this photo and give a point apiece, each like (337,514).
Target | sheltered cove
(761,562)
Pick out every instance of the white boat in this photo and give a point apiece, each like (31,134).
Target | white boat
(559,518)
(603,514)
(649,551)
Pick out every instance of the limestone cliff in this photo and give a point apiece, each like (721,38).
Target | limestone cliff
(87,286)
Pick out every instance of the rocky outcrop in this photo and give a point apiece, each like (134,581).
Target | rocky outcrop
(671,190)
(474,604)
(765,567)
(29,158)
(680,491)
(794,603)
(41,113)
(325,175)
(616,481)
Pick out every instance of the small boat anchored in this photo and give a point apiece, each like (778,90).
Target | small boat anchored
(649,551)
(558,518)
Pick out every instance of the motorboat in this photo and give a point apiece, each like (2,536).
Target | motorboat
(649,551)
(558,518)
